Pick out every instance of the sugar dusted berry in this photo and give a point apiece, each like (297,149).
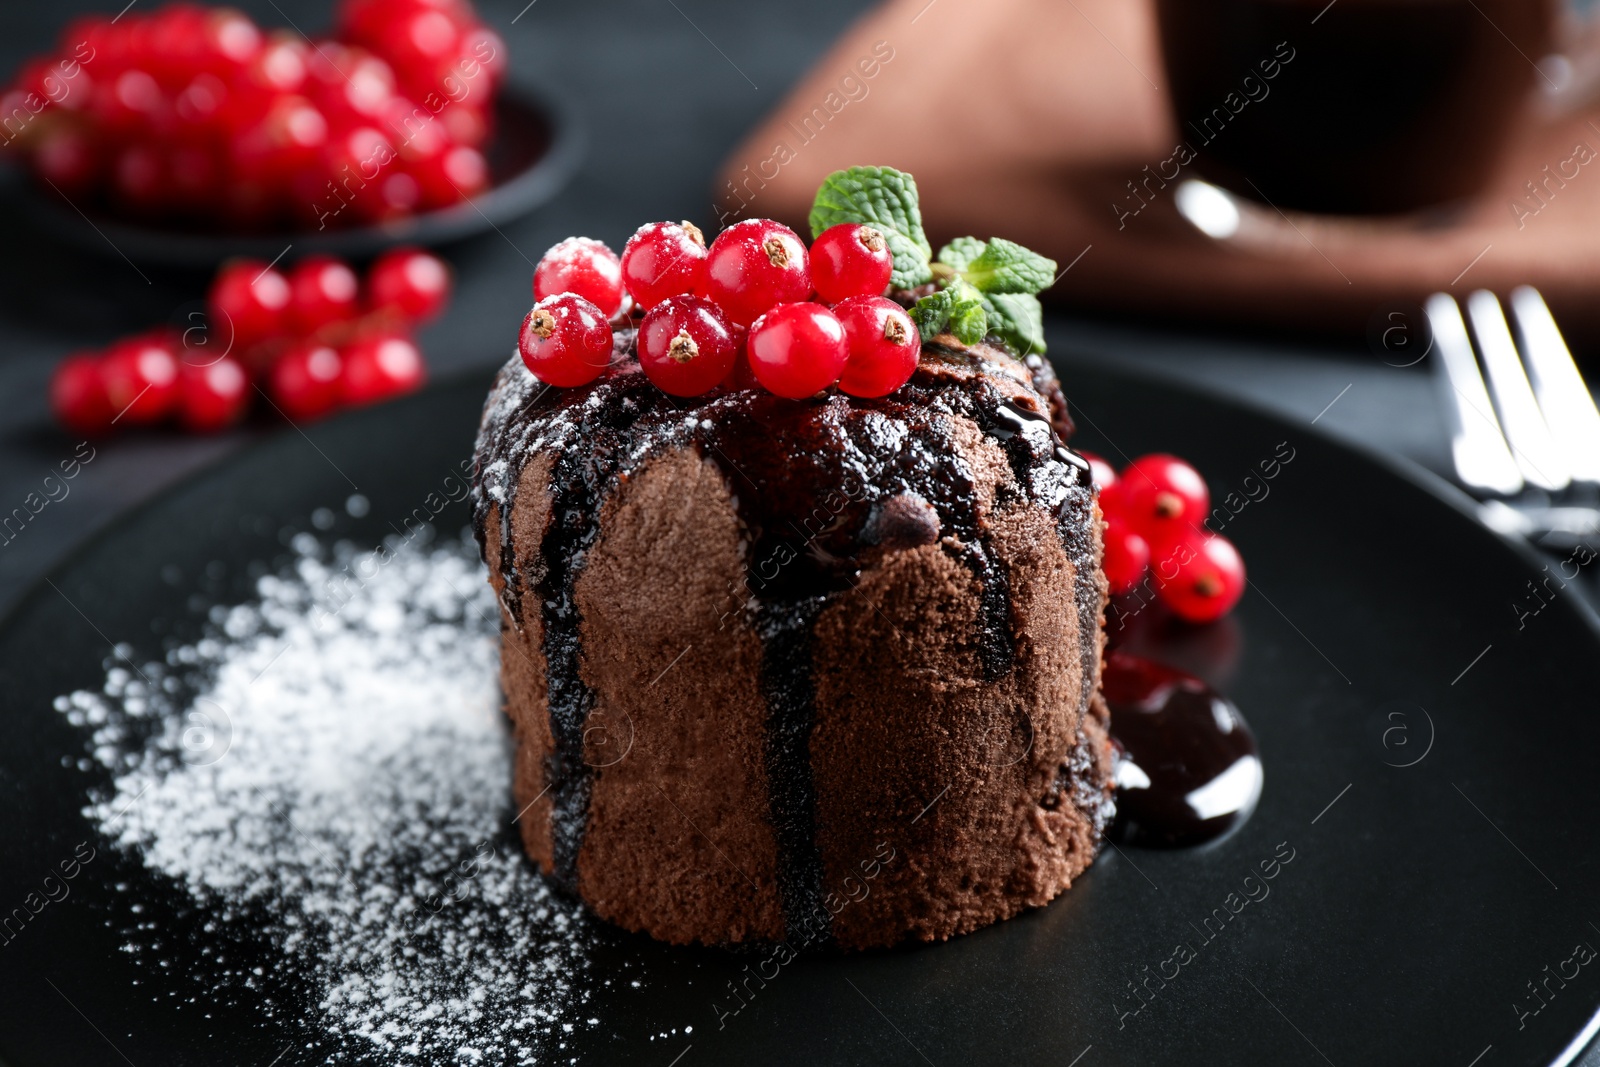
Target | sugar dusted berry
(247,303)
(755,265)
(78,395)
(307,380)
(1207,576)
(884,345)
(379,367)
(797,350)
(686,345)
(583,266)
(1163,498)
(565,340)
(663,259)
(212,396)
(850,259)
(322,290)
(410,283)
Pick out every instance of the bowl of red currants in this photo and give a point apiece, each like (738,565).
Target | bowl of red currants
(189,135)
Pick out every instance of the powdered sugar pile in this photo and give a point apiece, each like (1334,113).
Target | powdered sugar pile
(329,770)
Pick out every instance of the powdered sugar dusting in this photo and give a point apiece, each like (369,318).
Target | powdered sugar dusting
(328,771)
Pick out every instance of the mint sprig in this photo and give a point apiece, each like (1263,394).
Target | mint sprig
(884,198)
(956,310)
(986,288)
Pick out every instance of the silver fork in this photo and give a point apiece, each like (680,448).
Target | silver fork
(1533,455)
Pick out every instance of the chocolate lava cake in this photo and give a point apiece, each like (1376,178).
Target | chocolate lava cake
(823,672)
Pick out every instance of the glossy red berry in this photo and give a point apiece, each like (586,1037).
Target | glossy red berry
(1126,556)
(379,367)
(212,396)
(1163,498)
(663,259)
(583,266)
(141,379)
(322,290)
(850,259)
(1201,576)
(306,382)
(247,303)
(797,350)
(1102,473)
(686,345)
(565,340)
(78,396)
(884,345)
(755,265)
(409,282)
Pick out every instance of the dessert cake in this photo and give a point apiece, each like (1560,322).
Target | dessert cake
(822,671)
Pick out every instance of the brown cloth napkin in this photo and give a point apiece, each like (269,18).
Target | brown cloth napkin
(1029,119)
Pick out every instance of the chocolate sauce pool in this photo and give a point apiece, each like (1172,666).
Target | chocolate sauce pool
(1187,770)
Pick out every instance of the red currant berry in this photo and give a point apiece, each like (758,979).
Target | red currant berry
(741,376)
(1126,556)
(409,282)
(141,378)
(306,382)
(884,345)
(78,396)
(663,259)
(214,396)
(565,340)
(850,259)
(754,265)
(1102,473)
(686,346)
(583,266)
(379,367)
(1163,498)
(1206,577)
(797,350)
(322,289)
(247,303)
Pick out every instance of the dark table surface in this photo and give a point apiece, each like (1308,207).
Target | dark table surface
(661,86)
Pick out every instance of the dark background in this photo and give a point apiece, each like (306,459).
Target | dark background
(654,82)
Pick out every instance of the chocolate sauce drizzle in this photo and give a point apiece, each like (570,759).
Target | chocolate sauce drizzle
(1188,770)
(812,480)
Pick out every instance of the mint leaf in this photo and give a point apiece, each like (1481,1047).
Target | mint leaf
(1017,319)
(960,252)
(932,312)
(958,310)
(887,199)
(969,322)
(1006,267)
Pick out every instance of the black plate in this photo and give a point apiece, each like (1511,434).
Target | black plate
(537,145)
(1436,871)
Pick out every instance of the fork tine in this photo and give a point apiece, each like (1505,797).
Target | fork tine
(1477,446)
(1537,457)
(1569,409)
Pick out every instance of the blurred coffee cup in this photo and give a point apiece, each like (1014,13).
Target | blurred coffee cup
(1363,106)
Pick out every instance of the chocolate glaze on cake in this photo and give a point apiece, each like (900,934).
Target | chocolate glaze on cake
(816,671)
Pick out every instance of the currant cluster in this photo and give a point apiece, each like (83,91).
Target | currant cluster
(1155,512)
(311,339)
(756,308)
(193,114)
